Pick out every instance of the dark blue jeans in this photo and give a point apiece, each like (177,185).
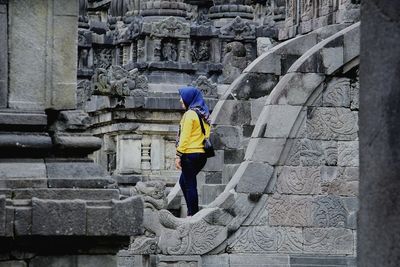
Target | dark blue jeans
(191,165)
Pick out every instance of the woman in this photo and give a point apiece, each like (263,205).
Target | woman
(190,156)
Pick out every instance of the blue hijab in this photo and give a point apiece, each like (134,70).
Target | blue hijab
(193,99)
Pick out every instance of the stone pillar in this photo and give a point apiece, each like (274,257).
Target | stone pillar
(379,227)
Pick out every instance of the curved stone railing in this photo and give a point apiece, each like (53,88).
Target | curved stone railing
(237,112)
(275,146)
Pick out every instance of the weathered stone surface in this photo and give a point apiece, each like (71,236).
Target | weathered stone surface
(304,83)
(129,208)
(58,217)
(328,211)
(337,93)
(255,178)
(98,221)
(259,239)
(288,210)
(23,221)
(27,29)
(348,153)
(226,137)
(258,260)
(74,261)
(234,113)
(332,123)
(280,120)
(2,215)
(316,152)
(299,180)
(216,163)
(13,264)
(329,240)
(258,147)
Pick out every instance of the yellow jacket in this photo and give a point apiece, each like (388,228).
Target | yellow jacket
(191,137)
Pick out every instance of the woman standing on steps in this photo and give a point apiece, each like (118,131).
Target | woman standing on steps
(190,155)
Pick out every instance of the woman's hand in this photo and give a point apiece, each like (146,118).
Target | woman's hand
(178,163)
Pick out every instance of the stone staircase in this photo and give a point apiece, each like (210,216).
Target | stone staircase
(236,114)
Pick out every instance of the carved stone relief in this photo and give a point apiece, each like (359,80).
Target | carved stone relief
(207,87)
(238,29)
(234,62)
(200,50)
(102,58)
(118,81)
(169,27)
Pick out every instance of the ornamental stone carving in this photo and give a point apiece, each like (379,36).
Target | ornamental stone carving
(169,27)
(130,32)
(119,82)
(207,87)
(238,29)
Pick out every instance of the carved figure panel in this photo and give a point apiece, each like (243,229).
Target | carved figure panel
(169,51)
(238,29)
(234,62)
(169,27)
(118,81)
(200,50)
(207,87)
(102,58)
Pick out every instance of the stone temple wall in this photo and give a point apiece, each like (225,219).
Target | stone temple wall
(134,54)
(293,199)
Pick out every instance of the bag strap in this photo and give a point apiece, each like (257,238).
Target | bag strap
(201,124)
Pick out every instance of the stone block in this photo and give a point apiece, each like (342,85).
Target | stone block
(221,260)
(259,260)
(96,260)
(23,221)
(348,154)
(299,180)
(27,39)
(332,123)
(210,192)
(281,119)
(98,221)
(2,215)
(255,178)
(310,260)
(316,152)
(129,154)
(352,205)
(66,194)
(213,178)
(233,156)
(332,59)
(265,150)
(3,57)
(355,95)
(253,85)
(295,88)
(290,210)
(342,181)
(256,108)
(234,112)
(34,169)
(332,241)
(337,93)
(264,44)
(329,211)
(177,261)
(215,164)
(13,264)
(65,8)
(58,217)
(54,261)
(127,216)
(228,171)
(351,44)
(226,137)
